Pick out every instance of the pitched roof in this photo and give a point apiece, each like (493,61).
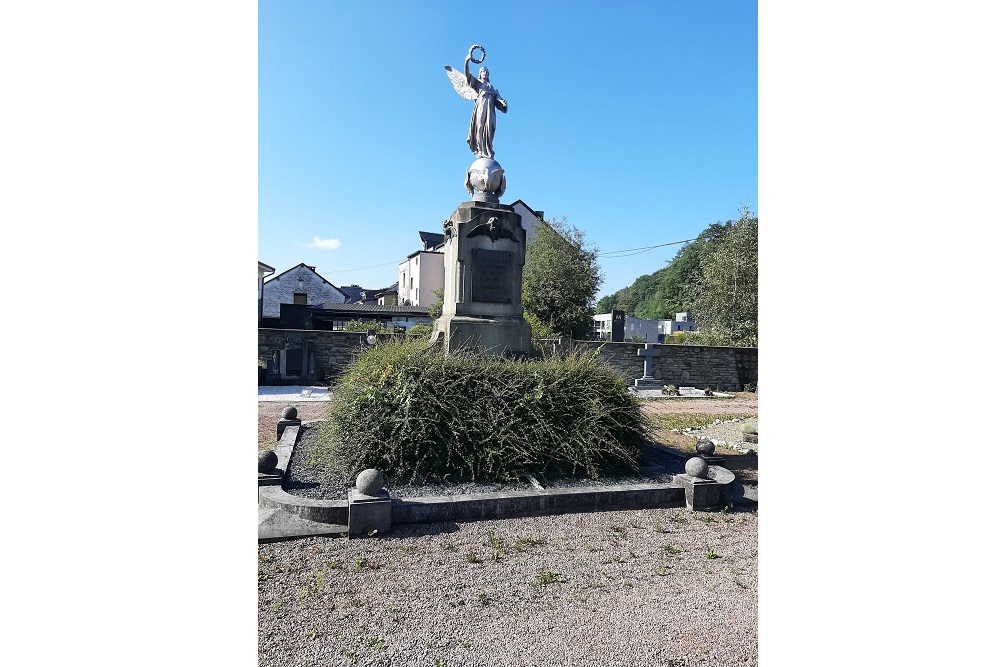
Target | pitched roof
(431,240)
(261,266)
(310,268)
(360,308)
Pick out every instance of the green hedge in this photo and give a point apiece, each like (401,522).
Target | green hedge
(417,414)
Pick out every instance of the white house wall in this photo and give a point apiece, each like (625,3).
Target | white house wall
(282,290)
(426,269)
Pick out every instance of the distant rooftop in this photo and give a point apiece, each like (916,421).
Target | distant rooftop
(431,240)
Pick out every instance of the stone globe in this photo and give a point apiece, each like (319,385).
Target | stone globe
(696,467)
(266,461)
(289,413)
(370,482)
(705,447)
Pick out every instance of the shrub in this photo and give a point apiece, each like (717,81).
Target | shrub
(539,330)
(750,427)
(635,338)
(417,414)
(420,331)
(358,325)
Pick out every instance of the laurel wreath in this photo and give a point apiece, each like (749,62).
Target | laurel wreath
(473,58)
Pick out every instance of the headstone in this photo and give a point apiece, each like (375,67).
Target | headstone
(369,509)
(648,379)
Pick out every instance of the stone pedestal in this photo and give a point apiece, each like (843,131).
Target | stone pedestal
(483,260)
(368,513)
(700,494)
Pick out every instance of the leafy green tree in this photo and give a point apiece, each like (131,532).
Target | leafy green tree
(724,295)
(561,278)
(434,310)
(539,330)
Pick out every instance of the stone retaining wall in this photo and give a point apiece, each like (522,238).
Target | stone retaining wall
(720,368)
(327,353)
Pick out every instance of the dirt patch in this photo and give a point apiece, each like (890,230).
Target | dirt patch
(269,412)
(741,403)
(744,465)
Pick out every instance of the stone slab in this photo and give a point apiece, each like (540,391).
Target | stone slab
(275,524)
(267,478)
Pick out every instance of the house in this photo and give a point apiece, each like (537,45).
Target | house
(357,294)
(389,296)
(529,218)
(299,285)
(652,331)
(334,317)
(262,270)
(422,273)
(681,322)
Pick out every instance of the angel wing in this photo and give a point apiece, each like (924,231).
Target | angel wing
(461,85)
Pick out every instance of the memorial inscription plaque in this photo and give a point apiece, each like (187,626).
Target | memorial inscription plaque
(492,273)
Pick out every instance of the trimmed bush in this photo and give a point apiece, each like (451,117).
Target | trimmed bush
(420,331)
(417,414)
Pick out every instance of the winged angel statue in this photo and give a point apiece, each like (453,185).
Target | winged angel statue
(488,100)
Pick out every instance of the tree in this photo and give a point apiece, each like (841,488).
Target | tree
(561,278)
(724,295)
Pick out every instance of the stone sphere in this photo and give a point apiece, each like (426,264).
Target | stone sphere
(696,467)
(705,447)
(486,175)
(266,461)
(289,413)
(370,482)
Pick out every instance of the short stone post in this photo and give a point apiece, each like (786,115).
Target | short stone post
(706,450)
(648,381)
(267,468)
(369,509)
(289,417)
(701,492)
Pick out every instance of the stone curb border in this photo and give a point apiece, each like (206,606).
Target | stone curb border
(472,507)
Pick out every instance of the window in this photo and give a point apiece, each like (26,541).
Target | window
(299,298)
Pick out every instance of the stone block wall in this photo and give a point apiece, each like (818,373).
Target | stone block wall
(720,368)
(327,353)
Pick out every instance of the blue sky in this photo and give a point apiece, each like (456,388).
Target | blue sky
(637,121)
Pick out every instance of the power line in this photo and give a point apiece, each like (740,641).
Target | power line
(611,254)
(635,251)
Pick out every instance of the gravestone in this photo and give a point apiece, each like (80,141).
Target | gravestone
(648,379)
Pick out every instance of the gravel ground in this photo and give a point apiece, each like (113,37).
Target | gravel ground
(607,588)
(604,588)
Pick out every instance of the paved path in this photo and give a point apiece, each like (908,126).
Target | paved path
(295,394)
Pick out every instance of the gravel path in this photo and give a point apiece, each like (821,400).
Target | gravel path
(606,588)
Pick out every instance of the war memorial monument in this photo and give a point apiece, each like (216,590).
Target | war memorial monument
(485,243)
